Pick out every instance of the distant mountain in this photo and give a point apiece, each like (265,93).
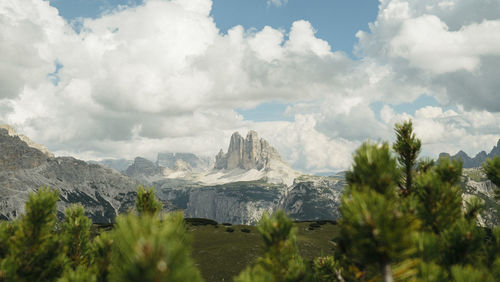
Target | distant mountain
(247,159)
(116,164)
(249,179)
(247,153)
(476,161)
(180,161)
(26,166)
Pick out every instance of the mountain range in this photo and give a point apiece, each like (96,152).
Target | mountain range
(476,161)
(237,187)
(26,166)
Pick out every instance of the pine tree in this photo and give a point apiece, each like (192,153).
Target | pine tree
(374,231)
(373,167)
(149,249)
(439,199)
(408,147)
(281,261)
(492,169)
(146,201)
(76,236)
(101,250)
(326,269)
(34,252)
(79,274)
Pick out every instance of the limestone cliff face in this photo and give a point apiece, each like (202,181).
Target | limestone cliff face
(476,184)
(102,191)
(309,198)
(247,153)
(26,140)
(17,154)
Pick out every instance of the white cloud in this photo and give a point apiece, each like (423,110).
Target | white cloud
(448,130)
(448,47)
(277,3)
(427,44)
(161,77)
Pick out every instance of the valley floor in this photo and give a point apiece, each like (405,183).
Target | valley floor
(220,255)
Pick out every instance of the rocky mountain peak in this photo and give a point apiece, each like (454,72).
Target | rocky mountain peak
(247,153)
(142,166)
(11,132)
(15,153)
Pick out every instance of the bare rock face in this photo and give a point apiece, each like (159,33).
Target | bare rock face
(103,192)
(142,166)
(17,154)
(247,153)
(26,140)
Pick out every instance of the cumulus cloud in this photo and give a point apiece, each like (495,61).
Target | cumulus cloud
(449,47)
(159,73)
(447,130)
(162,77)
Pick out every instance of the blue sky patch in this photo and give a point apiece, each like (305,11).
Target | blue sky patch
(273,111)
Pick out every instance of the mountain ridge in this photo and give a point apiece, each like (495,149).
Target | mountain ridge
(477,160)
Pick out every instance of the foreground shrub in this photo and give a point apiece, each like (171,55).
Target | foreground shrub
(34,251)
(76,236)
(281,261)
(149,249)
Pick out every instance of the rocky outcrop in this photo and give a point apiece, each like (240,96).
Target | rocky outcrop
(247,153)
(16,154)
(476,161)
(309,198)
(476,184)
(142,167)
(102,191)
(314,198)
(26,140)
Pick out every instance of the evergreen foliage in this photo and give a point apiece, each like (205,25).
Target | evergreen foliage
(373,167)
(146,248)
(374,231)
(407,146)
(439,203)
(151,249)
(80,274)
(76,236)
(146,201)
(326,269)
(34,253)
(101,251)
(281,261)
(424,233)
(492,169)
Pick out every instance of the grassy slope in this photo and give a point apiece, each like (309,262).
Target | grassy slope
(221,255)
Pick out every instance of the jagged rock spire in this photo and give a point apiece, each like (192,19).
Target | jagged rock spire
(247,153)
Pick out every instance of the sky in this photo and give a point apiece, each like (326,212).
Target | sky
(101,79)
